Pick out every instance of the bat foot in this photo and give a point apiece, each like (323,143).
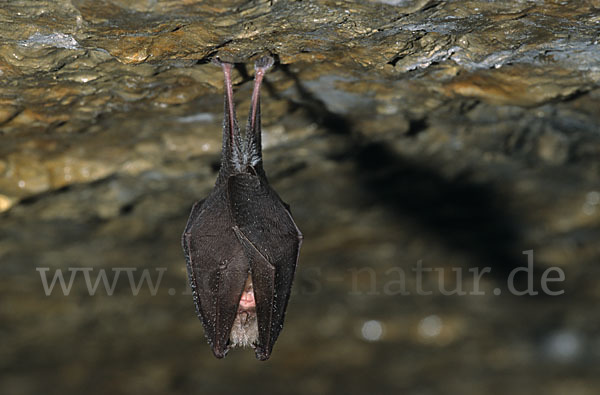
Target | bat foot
(264,63)
(221,63)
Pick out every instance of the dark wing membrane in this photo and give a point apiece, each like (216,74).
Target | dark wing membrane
(271,241)
(217,267)
(263,280)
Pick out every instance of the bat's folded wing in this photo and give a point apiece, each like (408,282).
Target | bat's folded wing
(271,241)
(217,267)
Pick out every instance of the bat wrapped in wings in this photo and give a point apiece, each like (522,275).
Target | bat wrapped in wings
(241,243)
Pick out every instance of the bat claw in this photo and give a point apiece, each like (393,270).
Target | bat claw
(264,63)
(216,61)
(221,63)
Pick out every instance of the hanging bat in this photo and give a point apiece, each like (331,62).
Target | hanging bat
(241,244)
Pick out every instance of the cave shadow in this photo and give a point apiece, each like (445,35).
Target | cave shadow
(465,216)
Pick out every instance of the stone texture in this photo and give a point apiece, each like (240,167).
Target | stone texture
(455,133)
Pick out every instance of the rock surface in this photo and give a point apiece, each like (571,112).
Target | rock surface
(458,134)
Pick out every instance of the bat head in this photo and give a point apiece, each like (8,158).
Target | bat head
(244,331)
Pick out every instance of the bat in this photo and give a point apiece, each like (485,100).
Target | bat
(241,243)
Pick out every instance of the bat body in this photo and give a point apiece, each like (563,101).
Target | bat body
(241,243)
